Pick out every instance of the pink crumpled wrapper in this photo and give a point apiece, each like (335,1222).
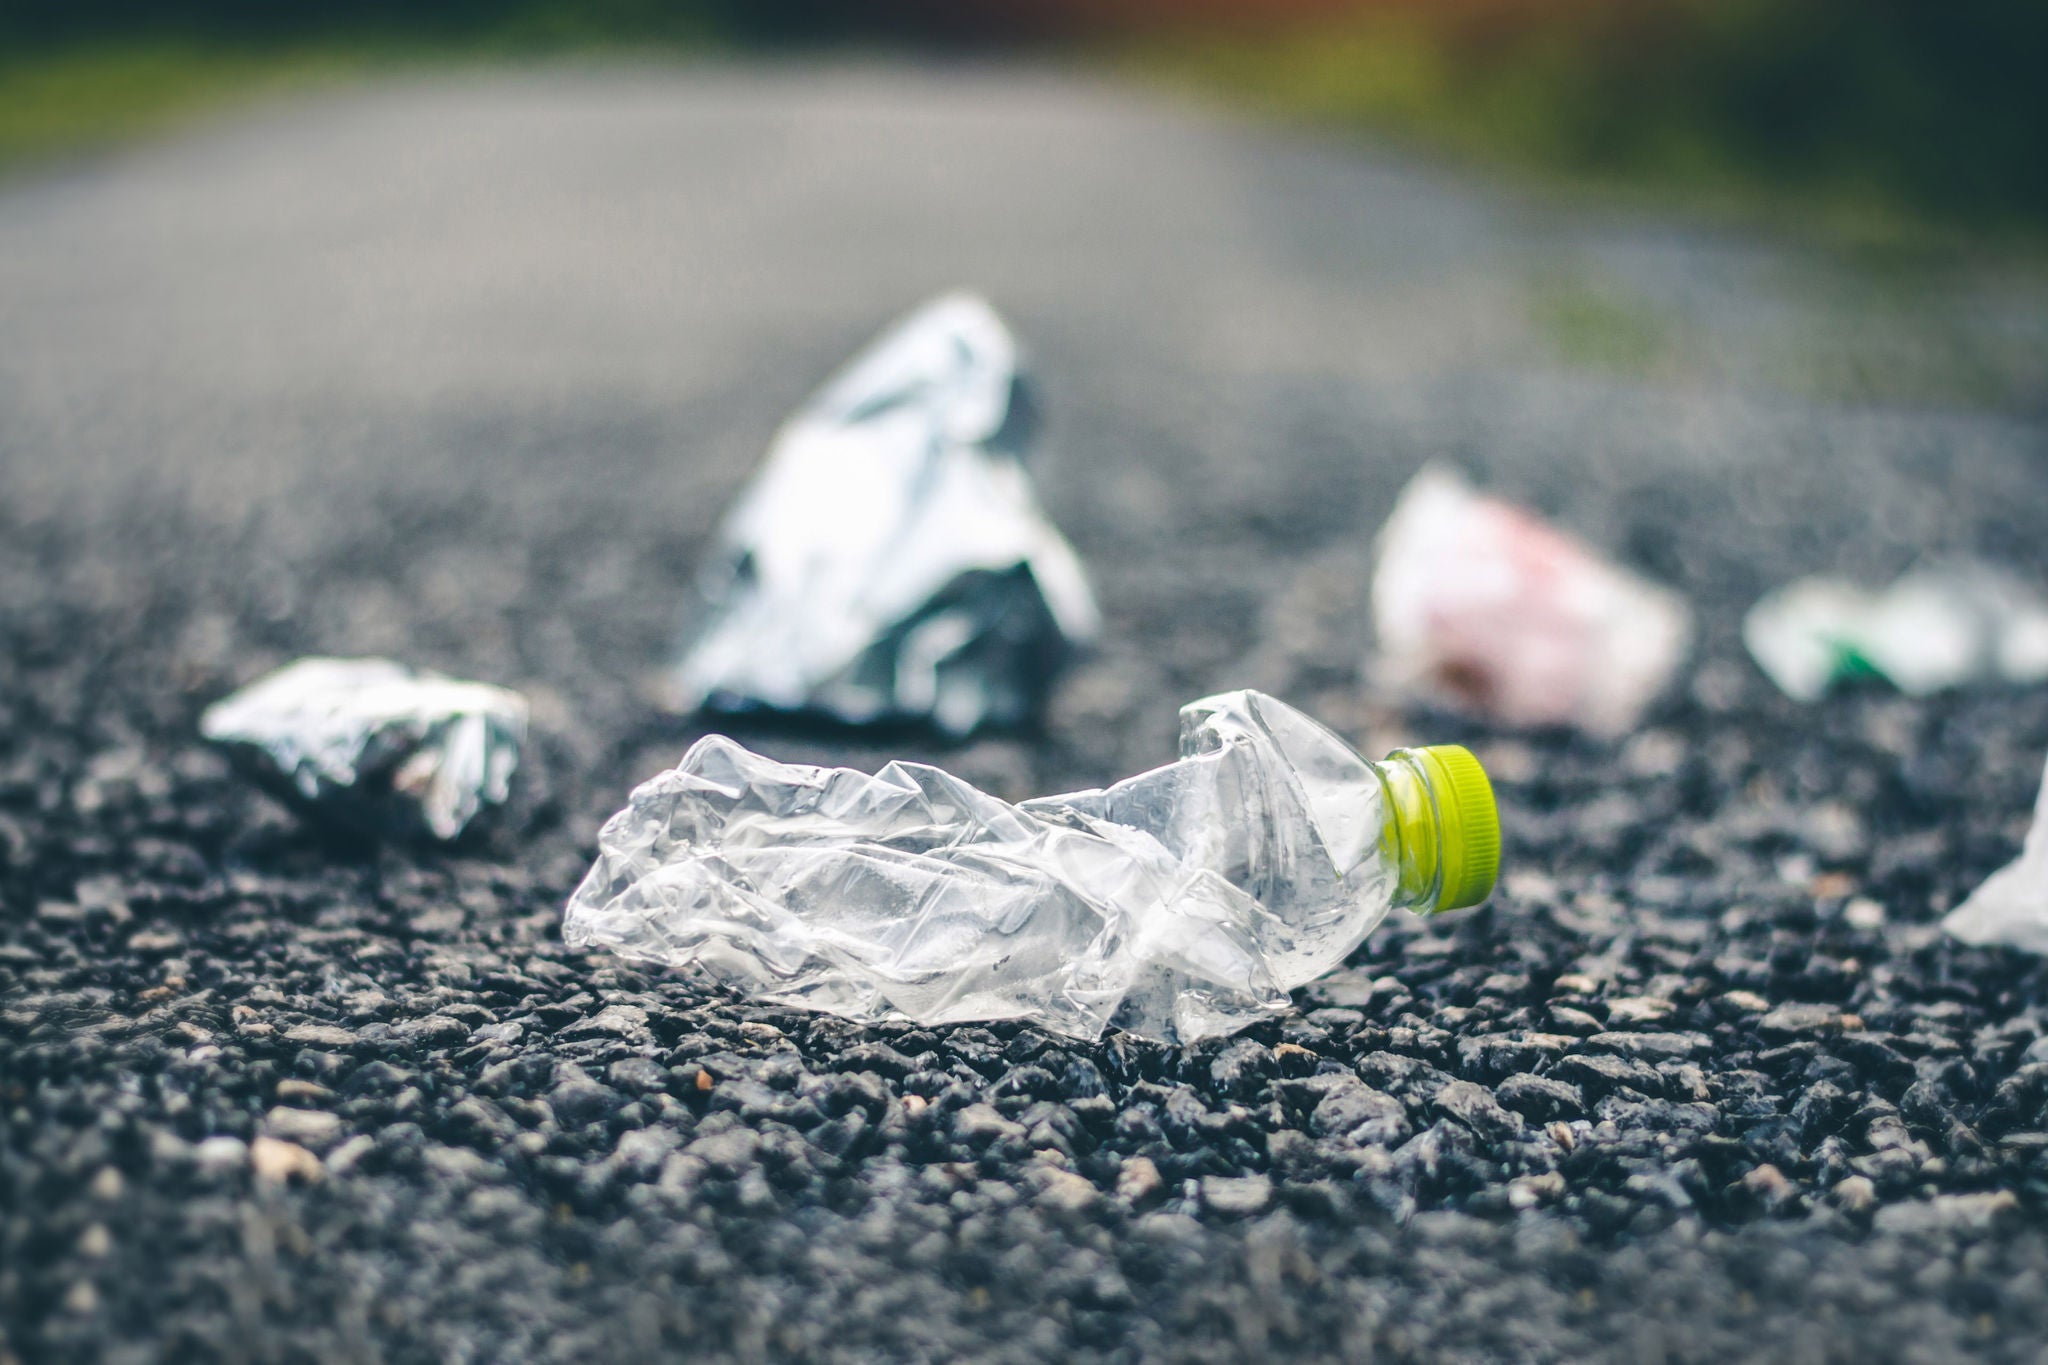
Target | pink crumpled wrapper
(1483,604)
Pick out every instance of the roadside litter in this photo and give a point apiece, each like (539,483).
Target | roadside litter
(1179,904)
(1939,626)
(890,561)
(1481,603)
(2011,907)
(373,744)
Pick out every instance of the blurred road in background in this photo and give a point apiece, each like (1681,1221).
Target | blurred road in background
(531,246)
(464,369)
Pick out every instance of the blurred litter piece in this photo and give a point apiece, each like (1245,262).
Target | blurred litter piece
(2011,907)
(373,744)
(1939,626)
(1481,603)
(890,561)
(1179,904)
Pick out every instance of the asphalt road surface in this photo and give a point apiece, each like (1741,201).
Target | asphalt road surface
(463,370)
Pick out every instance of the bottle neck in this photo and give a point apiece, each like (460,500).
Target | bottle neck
(1412,835)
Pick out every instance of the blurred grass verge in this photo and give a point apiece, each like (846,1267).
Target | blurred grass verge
(83,75)
(85,98)
(1879,122)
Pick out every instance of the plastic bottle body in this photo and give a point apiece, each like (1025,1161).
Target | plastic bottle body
(1180,903)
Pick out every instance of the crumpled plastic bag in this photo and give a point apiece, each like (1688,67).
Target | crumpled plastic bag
(890,561)
(1179,904)
(1481,603)
(2011,907)
(1938,626)
(375,745)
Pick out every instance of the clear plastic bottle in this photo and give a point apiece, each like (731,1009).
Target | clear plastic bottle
(1179,904)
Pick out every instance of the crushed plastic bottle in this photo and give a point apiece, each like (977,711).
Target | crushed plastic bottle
(1939,626)
(1179,904)
(2011,907)
(1479,602)
(386,749)
(890,561)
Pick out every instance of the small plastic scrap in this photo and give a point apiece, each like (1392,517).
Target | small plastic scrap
(2011,907)
(1481,602)
(1178,904)
(379,746)
(890,561)
(1940,626)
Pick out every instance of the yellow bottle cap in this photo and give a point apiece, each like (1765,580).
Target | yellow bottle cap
(1469,852)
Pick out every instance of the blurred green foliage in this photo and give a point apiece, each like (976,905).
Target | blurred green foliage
(1878,110)
(1870,110)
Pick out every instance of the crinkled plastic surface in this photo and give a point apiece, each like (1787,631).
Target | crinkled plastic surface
(1939,626)
(374,744)
(1478,602)
(2011,907)
(1179,904)
(890,560)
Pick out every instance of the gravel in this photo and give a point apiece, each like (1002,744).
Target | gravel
(1703,1081)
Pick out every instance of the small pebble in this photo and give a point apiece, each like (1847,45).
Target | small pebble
(1855,1194)
(277,1161)
(1237,1196)
(1138,1180)
(221,1153)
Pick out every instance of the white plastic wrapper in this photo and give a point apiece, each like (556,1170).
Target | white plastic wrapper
(890,561)
(1179,904)
(2011,907)
(1937,627)
(376,745)
(1481,603)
